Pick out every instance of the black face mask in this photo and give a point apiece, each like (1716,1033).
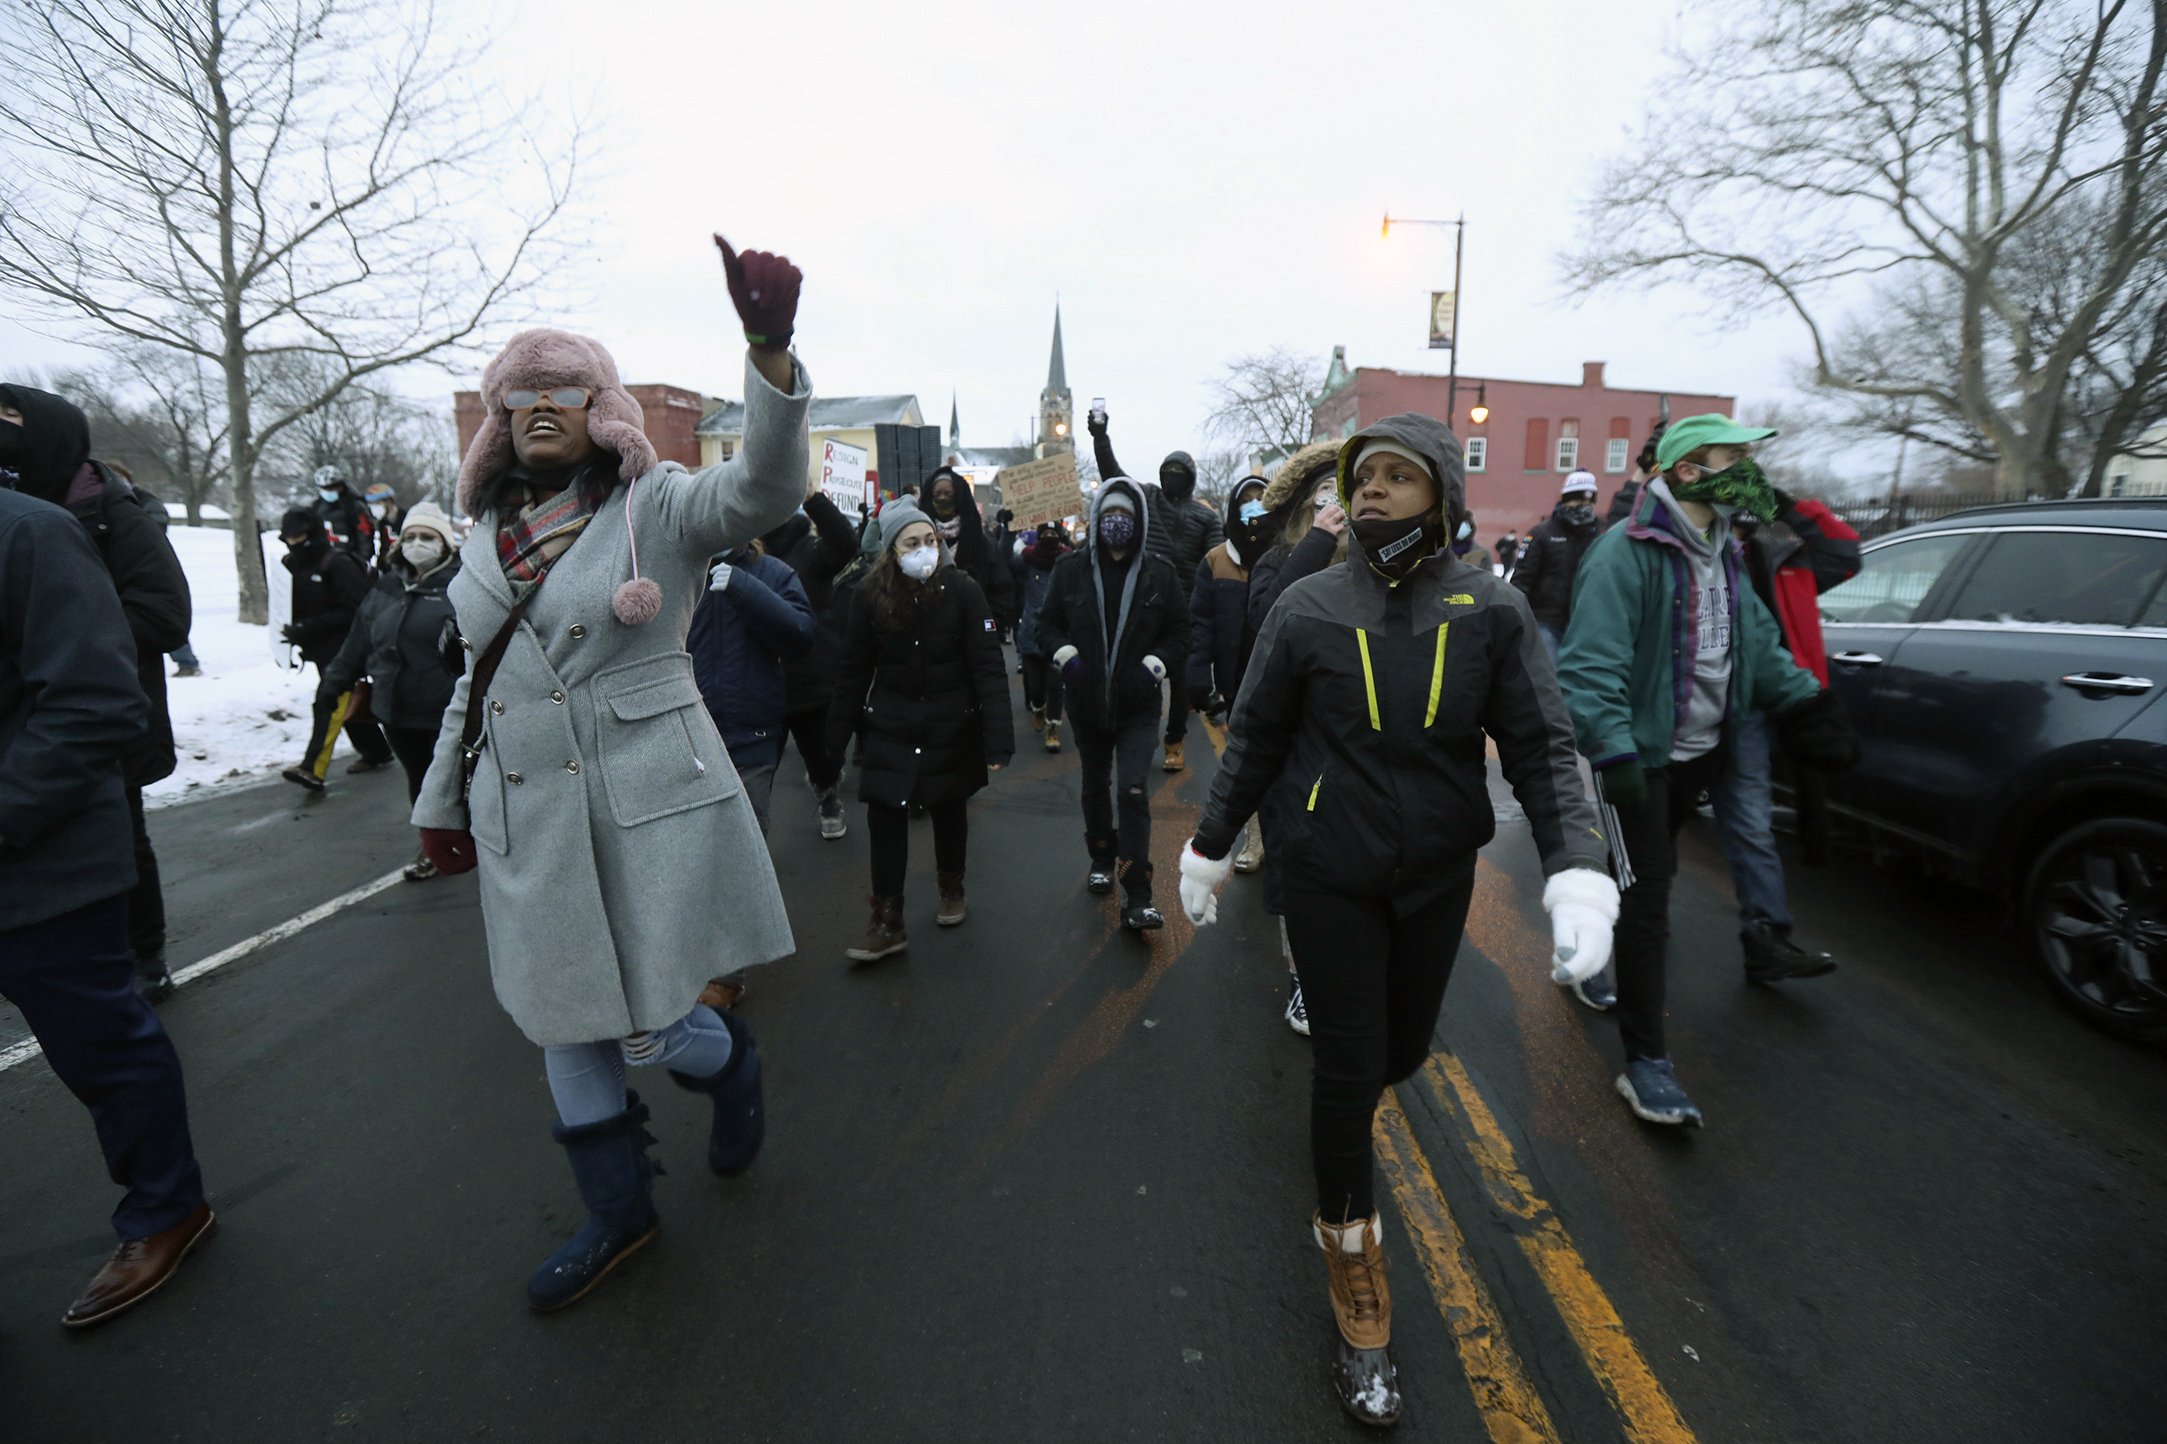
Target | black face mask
(1578,513)
(11,444)
(1178,484)
(1396,548)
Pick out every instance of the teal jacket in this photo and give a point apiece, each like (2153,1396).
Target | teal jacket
(1627,661)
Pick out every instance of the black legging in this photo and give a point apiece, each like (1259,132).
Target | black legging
(415,747)
(1042,686)
(1649,835)
(1374,980)
(890,827)
(809,729)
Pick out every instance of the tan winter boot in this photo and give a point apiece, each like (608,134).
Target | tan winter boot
(1174,760)
(952,910)
(883,935)
(1053,737)
(1363,1370)
(1038,719)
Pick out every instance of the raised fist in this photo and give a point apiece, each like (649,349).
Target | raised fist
(764,287)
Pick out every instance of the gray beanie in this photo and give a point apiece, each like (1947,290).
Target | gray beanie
(897,515)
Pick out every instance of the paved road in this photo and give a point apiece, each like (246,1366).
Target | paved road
(1043,1181)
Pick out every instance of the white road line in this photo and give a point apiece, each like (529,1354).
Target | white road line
(24,1051)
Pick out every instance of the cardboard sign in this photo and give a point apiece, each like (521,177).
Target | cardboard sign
(1041,490)
(843,477)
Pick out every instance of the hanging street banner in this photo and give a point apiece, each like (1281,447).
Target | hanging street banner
(1041,490)
(842,476)
(1444,312)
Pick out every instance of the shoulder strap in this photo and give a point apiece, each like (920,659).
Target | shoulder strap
(485,671)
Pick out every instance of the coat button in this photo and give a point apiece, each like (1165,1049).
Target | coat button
(557,697)
(578,631)
(497,707)
(514,778)
(572,767)
(917,751)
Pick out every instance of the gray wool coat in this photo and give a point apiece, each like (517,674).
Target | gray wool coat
(620,863)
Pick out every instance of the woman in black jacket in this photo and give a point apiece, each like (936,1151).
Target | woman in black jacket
(924,687)
(953,508)
(1364,711)
(329,587)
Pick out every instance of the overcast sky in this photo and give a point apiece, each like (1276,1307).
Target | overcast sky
(1194,180)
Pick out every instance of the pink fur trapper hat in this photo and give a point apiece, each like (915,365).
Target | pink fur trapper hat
(537,360)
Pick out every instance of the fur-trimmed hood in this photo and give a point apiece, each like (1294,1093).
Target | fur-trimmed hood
(1298,476)
(538,359)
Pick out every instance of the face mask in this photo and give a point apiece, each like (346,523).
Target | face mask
(1579,513)
(919,565)
(11,444)
(1467,529)
(1742,486)
(1117,529)
(423,552)
(328,493)
(1396,548)
(1252,512)
(1177,484)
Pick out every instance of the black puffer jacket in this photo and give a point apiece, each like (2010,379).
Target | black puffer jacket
(328,589)
(1114,614)
(1364,710)
(1181,531)
(817,544)
(1549,564)
(401,640)
(930,702)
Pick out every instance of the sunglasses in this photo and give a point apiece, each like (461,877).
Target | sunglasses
(565,398)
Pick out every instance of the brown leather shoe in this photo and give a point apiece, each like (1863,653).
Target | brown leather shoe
(138,1269)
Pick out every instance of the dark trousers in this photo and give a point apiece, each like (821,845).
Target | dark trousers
(147,901)
(1042,686)
(327,716)
(1120,757)
(415,747)
(809,729)
(74,981)
(1177,699)
(890,828)
(1648,835)
(1373,977)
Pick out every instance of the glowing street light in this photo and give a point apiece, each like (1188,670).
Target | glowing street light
(1481,410)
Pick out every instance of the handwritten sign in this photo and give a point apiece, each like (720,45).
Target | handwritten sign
(1041,490)
(842,475)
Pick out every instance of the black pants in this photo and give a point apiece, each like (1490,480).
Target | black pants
(147,901)
(809,729)
(326,717)
(415,747)
(1177,699)
(1120,757)
(74,980)
(890,828)
(1373,977)
(1648,834)
(1042,686)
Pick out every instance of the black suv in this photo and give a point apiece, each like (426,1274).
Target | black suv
(2005,667)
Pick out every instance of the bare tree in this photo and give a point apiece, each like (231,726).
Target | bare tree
(1904,158)
(1262,401)
(244,181)
(1217,469)
(372,435)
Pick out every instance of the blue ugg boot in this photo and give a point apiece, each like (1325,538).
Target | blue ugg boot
(610,1164)
(740,1108)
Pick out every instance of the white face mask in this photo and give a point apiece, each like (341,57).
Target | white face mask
(919,565)
(422,552)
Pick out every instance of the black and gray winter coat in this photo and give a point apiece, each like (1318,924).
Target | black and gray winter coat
(1181,531)
(929,703)
(1218,615)
(1364,710)
(817,544)
(328,589)
(1114,614)
(403,639)
(1550,562)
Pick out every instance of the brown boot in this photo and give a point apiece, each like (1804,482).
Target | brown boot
(138,1268)
(883,935)
(1363,1370)
(1174,761)
(952,909)
(1053,737)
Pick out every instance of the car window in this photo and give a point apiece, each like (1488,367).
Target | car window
(1893,581)
(2072,578)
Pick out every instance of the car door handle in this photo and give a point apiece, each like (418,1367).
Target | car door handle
(1857,659)
(2106,682)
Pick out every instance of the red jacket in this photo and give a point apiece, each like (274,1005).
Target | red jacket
(1791,572)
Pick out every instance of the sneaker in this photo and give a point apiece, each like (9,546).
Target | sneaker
(420,869)
(366,764)
(1650,1087)
(304,778)
(1598,992)
(1101,880)
(1771,957)
(832,825)
(1174,761)
(1297,1010)
(1141,917)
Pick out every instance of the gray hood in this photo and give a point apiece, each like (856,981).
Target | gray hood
(1137,556)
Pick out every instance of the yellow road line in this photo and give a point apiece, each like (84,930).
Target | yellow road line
(1511,1408)
(1642,1403)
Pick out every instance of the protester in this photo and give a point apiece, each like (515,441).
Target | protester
(1664,653)
(1801,553)
(817,544)
(387,517)
(405,641)
(50,438)
(1113,616)
(1508,554)
(621,865)
(1469,550)
(1552,557)
(1364,709)
(1041,679)
(1182,529)
(329,587)
(1002,540)
(924,687)
(953,509)
(1218,621)
(345,515)
(1627,499)
(753,619)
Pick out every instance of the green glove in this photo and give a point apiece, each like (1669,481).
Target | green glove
(1625,784)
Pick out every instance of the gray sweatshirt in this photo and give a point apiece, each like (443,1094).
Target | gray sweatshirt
(1700,724)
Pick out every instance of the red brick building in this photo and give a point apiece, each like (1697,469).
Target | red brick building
(1535,432)
(672,413)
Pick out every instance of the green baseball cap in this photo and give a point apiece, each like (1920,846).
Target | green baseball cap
(1695,432)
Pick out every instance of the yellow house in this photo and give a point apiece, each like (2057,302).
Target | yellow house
(848,419)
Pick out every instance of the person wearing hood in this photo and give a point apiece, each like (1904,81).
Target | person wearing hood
(1664,653)
(405,641)
(754,618)
(348,518)
(1182,530)
(1040,551)
(329,586)
(1552,556)
(620,864)
(818,544)
(952,506)
(1118,624)
(50,440)
(1466,547)
(387,516)
(1218,618)
(1365,709)
(923,686)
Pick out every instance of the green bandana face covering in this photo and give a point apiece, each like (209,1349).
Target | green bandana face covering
(1742,485)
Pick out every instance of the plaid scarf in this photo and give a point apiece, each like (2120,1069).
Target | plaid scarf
(542,532)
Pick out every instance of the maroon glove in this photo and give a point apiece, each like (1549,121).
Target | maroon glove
(452,850)
(765,289)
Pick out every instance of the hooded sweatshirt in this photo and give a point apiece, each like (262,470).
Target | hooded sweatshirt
(1700,721)
(1108,613)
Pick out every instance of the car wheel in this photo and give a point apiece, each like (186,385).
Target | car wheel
(2096,907)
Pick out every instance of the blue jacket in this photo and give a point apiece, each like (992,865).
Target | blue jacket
(739,639)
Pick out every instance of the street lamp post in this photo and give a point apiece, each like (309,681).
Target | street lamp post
(1459,245)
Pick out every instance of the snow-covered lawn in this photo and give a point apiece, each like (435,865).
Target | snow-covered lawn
(244,717)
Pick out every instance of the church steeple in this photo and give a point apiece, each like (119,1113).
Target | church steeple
(1056,408)
(1057,372)
(955,429)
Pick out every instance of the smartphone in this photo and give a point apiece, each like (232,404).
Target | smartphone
(1098,406)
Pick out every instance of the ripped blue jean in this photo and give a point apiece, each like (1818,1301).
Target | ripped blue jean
(587,1080)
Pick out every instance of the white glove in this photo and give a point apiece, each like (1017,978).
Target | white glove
(1155,667)
(1061,658)
(1583,907)
(718,580)
(1200,879)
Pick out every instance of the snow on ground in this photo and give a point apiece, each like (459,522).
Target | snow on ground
(244,718)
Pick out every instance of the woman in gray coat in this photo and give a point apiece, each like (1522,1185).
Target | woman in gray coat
(620,863)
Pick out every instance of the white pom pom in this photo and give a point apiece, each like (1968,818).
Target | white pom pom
(637,602)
